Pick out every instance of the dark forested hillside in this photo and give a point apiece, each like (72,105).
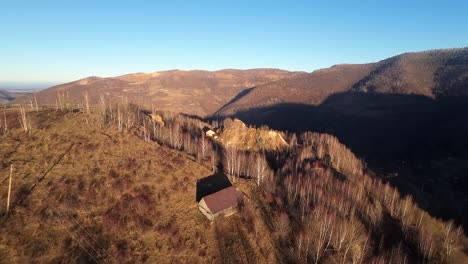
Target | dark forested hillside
(407,115)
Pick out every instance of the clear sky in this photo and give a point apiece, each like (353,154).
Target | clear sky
(59,41)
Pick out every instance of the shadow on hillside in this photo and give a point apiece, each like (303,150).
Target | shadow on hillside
(424,140)
(236,98)
(211,184)
(232,238)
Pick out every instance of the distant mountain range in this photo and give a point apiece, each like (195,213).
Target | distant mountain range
(436,74)
(192,92)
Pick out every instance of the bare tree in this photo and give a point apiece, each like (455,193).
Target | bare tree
(261,168)
(111,112)
(281,225)
(451,236)
(5,128)
(9,189)
(24,119)
(323,234)
(175,136)
(213,160)
(292,140)
(353,239)
(419,223)
(145,137)
(130,117)
(35,100)
(119,119)
(102,106)
(342,233)
(203,145)
(238,161)
(228,160)
(59,101)
(425,243)
(85,95)
(187,142)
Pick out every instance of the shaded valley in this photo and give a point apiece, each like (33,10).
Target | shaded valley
(407,118)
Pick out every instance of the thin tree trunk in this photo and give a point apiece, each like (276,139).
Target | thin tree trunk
(9,189)
(35,100)
(6,125)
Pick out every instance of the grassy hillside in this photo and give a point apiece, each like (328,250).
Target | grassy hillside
(192,92)
(96,187)
(80,189)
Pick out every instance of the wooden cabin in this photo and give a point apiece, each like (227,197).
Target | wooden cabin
(224,202)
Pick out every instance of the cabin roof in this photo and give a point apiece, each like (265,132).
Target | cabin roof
(224,199)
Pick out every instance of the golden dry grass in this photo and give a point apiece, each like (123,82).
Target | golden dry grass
(236,134)
(133,201)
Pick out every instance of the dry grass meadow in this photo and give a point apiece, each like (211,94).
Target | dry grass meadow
(82,193)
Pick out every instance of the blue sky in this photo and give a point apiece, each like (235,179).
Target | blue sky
(59,41)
